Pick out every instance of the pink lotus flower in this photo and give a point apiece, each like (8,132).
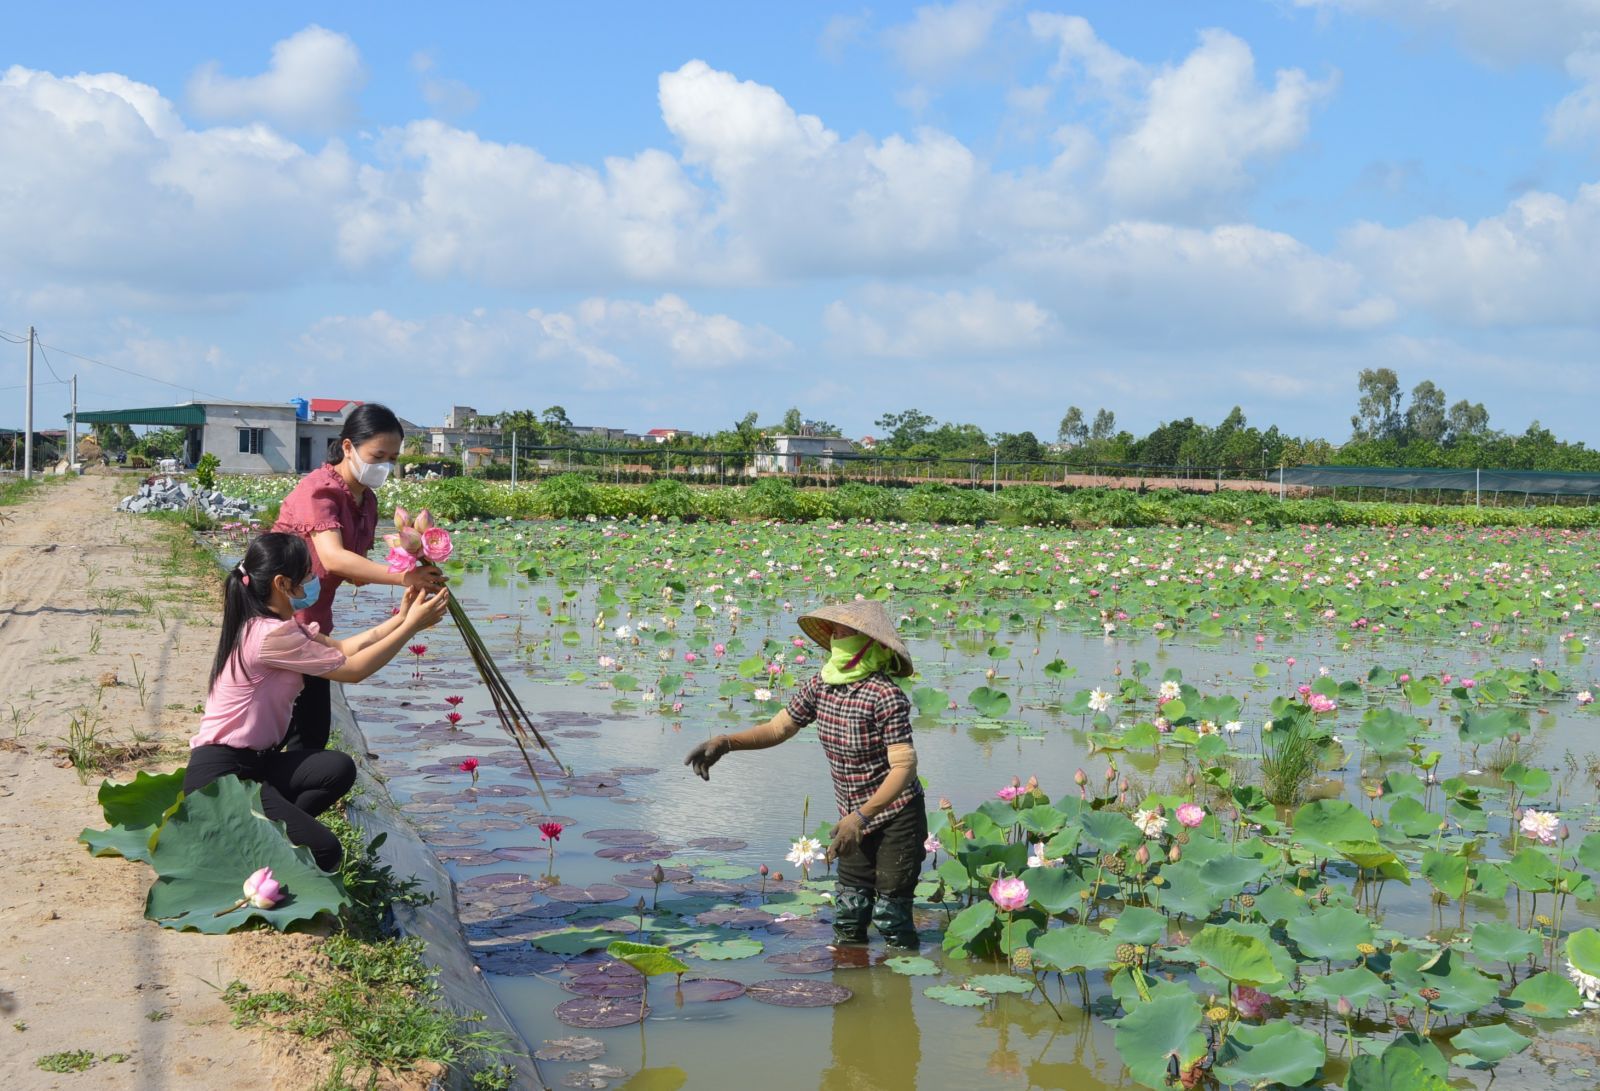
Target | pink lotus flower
(1009,894)
(689,657)
(1008,793)
(400,560)
(550,831)
(454,700)
(1252,1003)
(1319,703)
(453,717)
(1191,814)
(470,765)
(1290,661)
(418,650)
(262,890)
(423,522)
(719,649)
(436,545)
(1468,683)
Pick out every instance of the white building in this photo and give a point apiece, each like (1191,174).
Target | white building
(803,454)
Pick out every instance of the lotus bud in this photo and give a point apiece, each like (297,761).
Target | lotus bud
(1016,782)
(777,876)
(1080,778)
(1189,778)
(1566,831)
(1124,786)
(262,890)
(657,876)
(410,540)
(1516,736)
(424,521)
(1111,773)
(944,804)
(1032,785)
(1174,854)
(763,869)
(1122,799)
(1142,856)
(1344,1008)
(401,519)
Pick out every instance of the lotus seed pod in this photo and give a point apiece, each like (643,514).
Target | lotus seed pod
(1218,1014)
(1247,900)
(1125,954)
(1366,950)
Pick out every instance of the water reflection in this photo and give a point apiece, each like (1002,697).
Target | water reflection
(877,1045)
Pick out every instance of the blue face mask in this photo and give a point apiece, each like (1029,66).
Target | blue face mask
(310,592)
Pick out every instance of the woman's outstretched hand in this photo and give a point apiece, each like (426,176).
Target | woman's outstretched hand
(704,756)
(426,576)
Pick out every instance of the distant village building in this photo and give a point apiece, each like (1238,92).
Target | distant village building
(803,454)
(662,435)
(597,432)
(867,443)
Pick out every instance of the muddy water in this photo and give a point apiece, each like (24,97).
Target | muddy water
(889,1035)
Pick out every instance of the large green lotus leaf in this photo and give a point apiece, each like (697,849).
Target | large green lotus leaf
(143,801)
(956,996)
(992,703)
(1499,942)
(1583,949)
(1109,831)
(214,841)
(970,922)
(1490,1044)
(1228,875)
(1546,995)
(133,843)
(1324,823)
(1395,1070)
(1446,873)
(1386,731)
(1589,852)
(1184,892)
(1277,1054)
(1330,933)
(995,984)
(1151,1032)
(1138,924)
(1531,870)
(1042,821)
(1054,889)
(1412,818)
(1356,984)
(715,951)
(1462,988)
(913,966)
(1478,728)
(1243,959)
(1075,947)
(649,959)
(1279,902)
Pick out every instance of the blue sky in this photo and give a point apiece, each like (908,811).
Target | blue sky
(671,214)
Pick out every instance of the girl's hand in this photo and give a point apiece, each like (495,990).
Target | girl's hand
(427,611)
(409,599)
(426,576)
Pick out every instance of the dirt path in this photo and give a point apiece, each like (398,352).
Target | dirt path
(89,601)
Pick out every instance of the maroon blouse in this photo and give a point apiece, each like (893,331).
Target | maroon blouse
(322,501)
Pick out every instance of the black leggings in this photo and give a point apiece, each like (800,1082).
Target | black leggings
(311,721)
(295,787)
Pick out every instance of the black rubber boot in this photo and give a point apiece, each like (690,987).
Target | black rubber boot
(893,918)
(852,911)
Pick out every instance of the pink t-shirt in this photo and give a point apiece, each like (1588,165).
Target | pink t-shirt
(322,501)
(250,703)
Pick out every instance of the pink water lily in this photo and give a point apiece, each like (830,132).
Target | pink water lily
(1009,894)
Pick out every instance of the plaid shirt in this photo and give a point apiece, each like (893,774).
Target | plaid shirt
(856,725)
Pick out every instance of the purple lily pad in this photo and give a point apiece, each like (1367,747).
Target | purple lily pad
(796,993)
(822,958)
(707,990)
(521,853)
(426,808)
(593,1012)
(517,960)
(634,771)
(734,917)
(719,844)
(449,840)
(577,733)
(610,979)
(480,825)
(713,888)
(644,878)
(630,854)
(803,928)
(621,837)
(469,857)
(594,893)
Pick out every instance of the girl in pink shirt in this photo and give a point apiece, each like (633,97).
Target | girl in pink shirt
(264,656)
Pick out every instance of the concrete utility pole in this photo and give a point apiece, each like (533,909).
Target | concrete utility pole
(994,481)
(27,418)
(72,451)
(513,458)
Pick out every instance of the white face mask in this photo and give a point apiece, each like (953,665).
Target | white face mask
(370,474)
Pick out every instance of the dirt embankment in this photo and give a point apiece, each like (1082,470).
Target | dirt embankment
(105,643)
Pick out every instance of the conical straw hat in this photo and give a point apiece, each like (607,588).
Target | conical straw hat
(865,616)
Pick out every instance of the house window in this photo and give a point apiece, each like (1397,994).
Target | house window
(250,440)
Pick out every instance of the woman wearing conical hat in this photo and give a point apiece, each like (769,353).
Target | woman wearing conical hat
(864,724)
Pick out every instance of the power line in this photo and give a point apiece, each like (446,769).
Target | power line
(113,367)
(43,356)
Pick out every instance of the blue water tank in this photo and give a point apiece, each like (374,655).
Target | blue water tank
(302,408)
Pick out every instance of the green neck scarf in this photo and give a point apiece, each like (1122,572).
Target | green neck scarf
(853,658)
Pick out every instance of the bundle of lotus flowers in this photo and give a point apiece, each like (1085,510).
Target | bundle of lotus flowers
(418,541)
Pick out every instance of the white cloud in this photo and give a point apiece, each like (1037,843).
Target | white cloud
(1235,282)
(1109,73)
(310,86)
(116,191)
(598,344)
(446,97)
(798,200)
(1533,263)
(841,32)
(912,324)
(941,37)
(1494,30)
(1576,118)
(1204,124)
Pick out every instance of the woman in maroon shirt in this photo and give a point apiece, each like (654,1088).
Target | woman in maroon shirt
(335,509)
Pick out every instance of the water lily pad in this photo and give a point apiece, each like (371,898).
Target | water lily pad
(956,996)
(995,984)
(913,966)
(570,1049)
(1490,1044)
(794,993)
(592,894)
(621,837)
(726,949)
(734,917)
(719,844)
(595,1012)
(604,983)
(707,990)
(634,854)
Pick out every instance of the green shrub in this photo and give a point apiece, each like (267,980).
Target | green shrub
(205,471)
(854,500)
(771,498)
(667,499)
(567,496)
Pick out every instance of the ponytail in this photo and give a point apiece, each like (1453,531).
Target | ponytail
(363,423)
(247,592)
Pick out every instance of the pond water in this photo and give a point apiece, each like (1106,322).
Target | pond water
(629,786)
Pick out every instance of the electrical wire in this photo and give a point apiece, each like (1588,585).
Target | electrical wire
(17,340)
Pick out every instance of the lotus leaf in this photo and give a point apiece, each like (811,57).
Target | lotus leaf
(1277,1054)
(1167,1025)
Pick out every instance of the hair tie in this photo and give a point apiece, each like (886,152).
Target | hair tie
(244,577)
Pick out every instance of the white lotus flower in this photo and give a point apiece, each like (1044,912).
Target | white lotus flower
(1099,700)
(762,695)
(1542,826)
(806,851)
(1588,985)
(1150,823)
(1233,727)
(1169,691)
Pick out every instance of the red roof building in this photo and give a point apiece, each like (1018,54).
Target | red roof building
(331,405)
